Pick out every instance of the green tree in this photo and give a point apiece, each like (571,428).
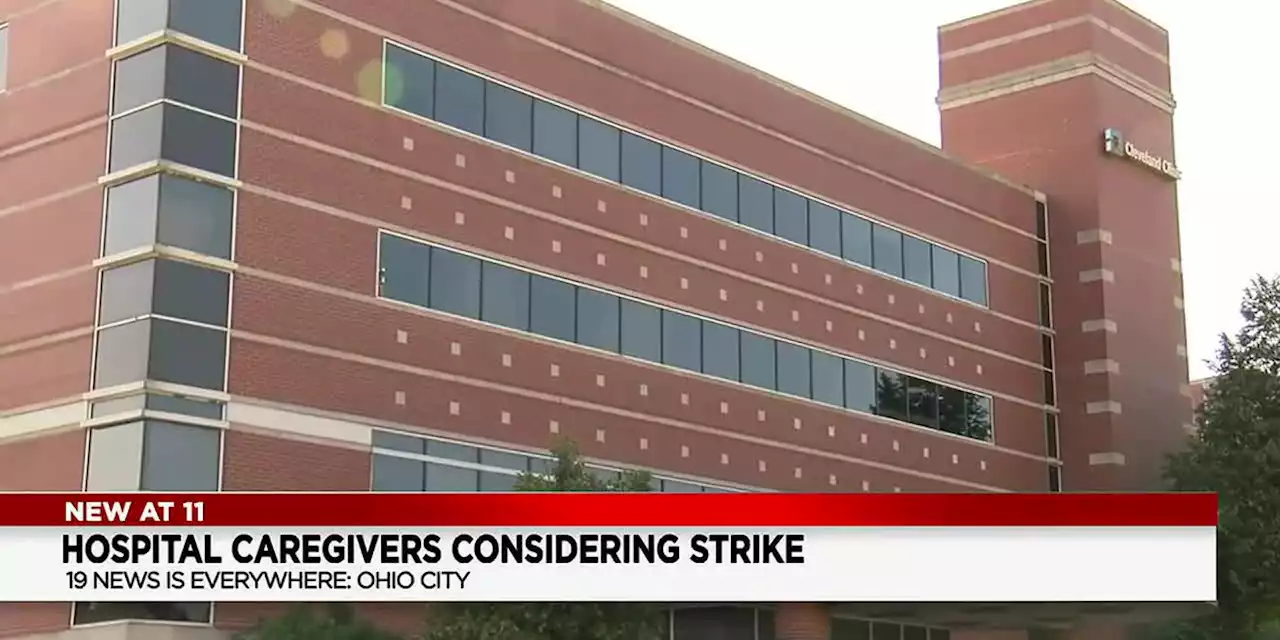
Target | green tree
(1236,453)
(332,622)
(558,620)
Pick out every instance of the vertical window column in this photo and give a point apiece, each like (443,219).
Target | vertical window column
(157,405)
(1047,357)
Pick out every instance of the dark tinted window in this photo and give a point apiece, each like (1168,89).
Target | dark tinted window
(791,216)
(755,203)
(951,410)
(887,249)
(828,379)
(188,406)
(459,99)
(455,283)
(1042,257)
(917,258)
(504,459)
(848,629)
(681,341)
(824,228)
(508,116)
(555,133)
(973,280)
(977,416)
(891,394)
(552,309)
(641,163)
(1055,479)
(641,331)
(713,623)
(215,22)
(91,612)
(1042,220)
(398,474)
(598,148)
(1046,350)
(859,386)
(137,18)
(681,177)
(187,354)
(505,296)
(855,234)
(177,457)
(759,361)
(404,268)
(885,631)
(794,370)
(198,140)
(1046,306)
(410,82)
(915,633)
(196,216)
(922,402)
(183,290)
(201,81)
(946,270)
(1051,435)
(1050,390)
(719,191)
(598,322)
(720,351)
(452,451)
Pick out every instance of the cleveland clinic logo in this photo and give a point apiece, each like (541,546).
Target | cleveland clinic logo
(1113,143)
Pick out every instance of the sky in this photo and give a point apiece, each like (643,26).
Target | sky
(880,59)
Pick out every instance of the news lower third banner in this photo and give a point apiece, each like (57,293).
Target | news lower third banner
(491,547)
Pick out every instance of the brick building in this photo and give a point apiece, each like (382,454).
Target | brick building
(404,245)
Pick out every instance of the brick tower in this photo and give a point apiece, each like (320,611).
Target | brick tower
(1074,97)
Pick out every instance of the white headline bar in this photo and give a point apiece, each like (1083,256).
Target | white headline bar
(960,564)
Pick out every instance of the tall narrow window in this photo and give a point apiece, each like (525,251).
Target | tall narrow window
(4,57)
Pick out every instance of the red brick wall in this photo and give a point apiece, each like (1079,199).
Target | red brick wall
(257,462)
(52,462)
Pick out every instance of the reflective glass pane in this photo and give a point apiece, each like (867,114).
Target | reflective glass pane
(855,234)
(121,355)
(922,402)
(850,629)
(794,370)
(398,474)
(824,228)
(137,18)
(977,417)
(196,216)
(891,394)
(598,148)
(681,341)
(139,79)
(555,133)
(917,259)
(791,216)
(126,292)
(198,80)
(136,138)
(759,361)
(404,267)
(828,379)
(641,163)
(720,356)
(755,203)
(452,451)
(681,177)
(859,386)
(719,191)
(459,99)
(178,457)
(946,270)
(504,459)
(552,308)
(641,331)
(455,283)
(951,410)
(410,82)
(197,140)
(398,442)
(492,481)
(183,290)
(115,458)
(505,296)
(445,478)
(508,116)
(131,215)
(216,22)
(186,354)
(84,613)
(598,319)
(887,249)
(973,280)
